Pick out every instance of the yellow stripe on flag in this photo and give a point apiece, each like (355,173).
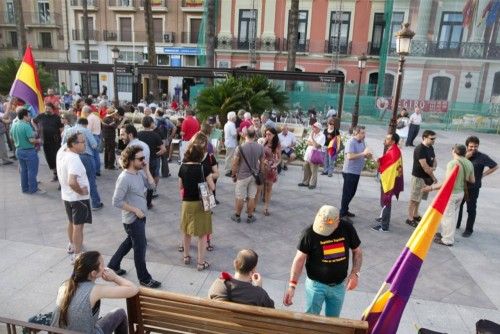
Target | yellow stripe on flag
(334,251)
(381,302)
(388,176)
(421,239)
(26,74)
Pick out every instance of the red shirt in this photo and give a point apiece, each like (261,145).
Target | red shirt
(190,126)
(102,112)
(54,100)
(244,124)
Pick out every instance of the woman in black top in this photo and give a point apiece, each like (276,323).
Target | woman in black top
(194,220)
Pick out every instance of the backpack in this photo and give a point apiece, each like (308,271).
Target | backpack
(40,319)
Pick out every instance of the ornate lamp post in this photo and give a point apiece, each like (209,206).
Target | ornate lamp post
(115,54)
(355,115)
(403,43)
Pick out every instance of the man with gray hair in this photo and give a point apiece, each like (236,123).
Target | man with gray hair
(230,140)
(245,123)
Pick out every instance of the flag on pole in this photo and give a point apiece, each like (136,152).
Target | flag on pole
(26,86)
(490,13)
(390,167)
(385,311)
(333,146)
(468,12)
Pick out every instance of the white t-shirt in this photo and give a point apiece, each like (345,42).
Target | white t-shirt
(416,118)
(287,141)
(230,135)
(320,139)
(69,163)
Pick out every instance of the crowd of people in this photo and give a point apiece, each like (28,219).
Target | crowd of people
(257,150)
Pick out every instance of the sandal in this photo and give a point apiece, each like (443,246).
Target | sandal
(180,249)
(187,260)
(266,212)
(203,266)
(210,248)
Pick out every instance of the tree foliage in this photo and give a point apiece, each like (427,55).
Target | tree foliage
(255,94)
(8,71)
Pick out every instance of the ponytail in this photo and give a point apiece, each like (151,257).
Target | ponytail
(85,263)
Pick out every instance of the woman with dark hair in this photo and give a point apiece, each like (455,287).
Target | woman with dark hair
(195,221)
(272,152)
(79,298)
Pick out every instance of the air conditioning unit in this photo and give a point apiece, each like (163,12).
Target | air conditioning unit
(169,37)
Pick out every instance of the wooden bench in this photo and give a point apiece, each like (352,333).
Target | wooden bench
(16,326)
(156,311)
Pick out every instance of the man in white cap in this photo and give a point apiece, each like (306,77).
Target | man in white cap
(315,142)
(324,249)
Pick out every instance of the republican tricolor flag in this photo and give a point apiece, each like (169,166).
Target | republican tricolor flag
(26,86)
(333,146)
(385,311)
(390,167)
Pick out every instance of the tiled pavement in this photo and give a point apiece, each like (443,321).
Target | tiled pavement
(456,287)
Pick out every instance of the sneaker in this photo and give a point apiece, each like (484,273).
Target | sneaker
(120,272)
(350,214)
(324,173)
(438,235)
(330,175)
(378,220)
(40,192)
(285,167)
(440,242)
(151,284)
(466,234)
(73,258)
(303,185)
(417,218)
(71,248)
(379,228)
(251,219)
(236,218)
(412,223)
(312,187)
(99,207)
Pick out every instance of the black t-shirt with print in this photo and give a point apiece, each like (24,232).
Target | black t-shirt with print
(328,257)
(422,152)
(191,175)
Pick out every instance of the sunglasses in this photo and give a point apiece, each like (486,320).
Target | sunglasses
(140,158)
(433,138)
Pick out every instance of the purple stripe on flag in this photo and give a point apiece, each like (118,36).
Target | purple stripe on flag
(388,320)
(24,92)
(334,256)
(404,273)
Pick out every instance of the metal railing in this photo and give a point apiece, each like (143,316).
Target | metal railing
(8,18)
(90,3)
(42,19)
(124,3)
(78,35)
(469,50)
(333,45)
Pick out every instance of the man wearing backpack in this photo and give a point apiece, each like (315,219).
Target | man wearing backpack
(166,129)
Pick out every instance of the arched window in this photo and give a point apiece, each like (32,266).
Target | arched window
(440,88)
(496,85)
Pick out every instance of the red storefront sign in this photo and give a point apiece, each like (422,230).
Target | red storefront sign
(424,105)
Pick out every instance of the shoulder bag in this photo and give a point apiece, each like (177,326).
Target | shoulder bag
(259,179)
(206,196)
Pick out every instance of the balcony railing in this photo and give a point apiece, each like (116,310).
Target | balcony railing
(334,45)
(42,19)
(189,37)
(78,35)
(90,3)
(155,4)
(301,46)
(7,18)
(468,50)
(127,4)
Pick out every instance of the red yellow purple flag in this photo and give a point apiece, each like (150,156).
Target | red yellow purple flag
(390,167)
(26,86)
(333,146)
(385,311)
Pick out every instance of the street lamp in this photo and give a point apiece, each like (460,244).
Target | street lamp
(115,54)
(361,66)
(403,43)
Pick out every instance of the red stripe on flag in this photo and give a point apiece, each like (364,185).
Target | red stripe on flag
(441,200)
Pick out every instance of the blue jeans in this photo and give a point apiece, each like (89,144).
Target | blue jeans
(97,157)
(88,163)
(28,168)
(136,239)
(318,293)
(329,164)
(348,191)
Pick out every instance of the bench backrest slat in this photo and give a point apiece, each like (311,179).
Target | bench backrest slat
(166,312)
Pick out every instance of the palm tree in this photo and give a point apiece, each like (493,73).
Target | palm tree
(153,78)
(21,31)
(293,34)
(210,36)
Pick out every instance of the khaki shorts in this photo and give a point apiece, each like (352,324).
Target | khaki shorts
(246,188)
(417,184)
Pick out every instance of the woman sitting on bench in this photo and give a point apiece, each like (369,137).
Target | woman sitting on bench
(79,298)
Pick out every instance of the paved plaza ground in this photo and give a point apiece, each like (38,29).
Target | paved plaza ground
(456,286)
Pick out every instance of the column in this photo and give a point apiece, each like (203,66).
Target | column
(421,21)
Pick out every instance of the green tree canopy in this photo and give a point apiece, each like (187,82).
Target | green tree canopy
(255,94)
(8,71)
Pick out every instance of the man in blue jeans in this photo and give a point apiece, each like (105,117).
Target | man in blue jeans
(130,197)
(324,249)
(355,153)
(24,138)
(87,158)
